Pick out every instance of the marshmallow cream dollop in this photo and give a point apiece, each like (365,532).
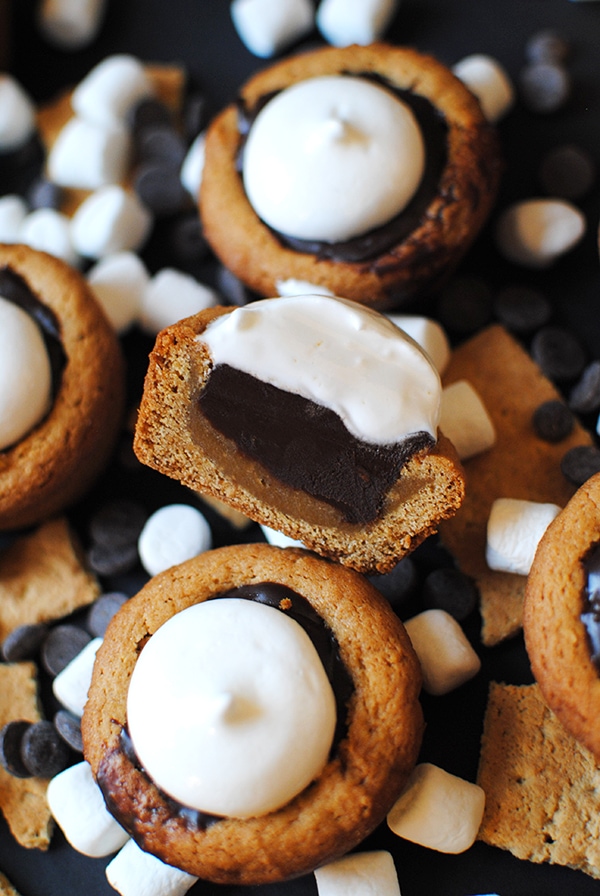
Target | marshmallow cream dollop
(337,354)
(332,157)
(25,374)
(229,708)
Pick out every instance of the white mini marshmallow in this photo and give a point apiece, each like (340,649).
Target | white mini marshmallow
(17,114)
(489,81)
(465,420)
(514,529)
(345,22)
(359,874)
(428,334)
(110,220)
(134,872)
(78,807)
(438,810)
(292,287)
(71,685)
(279,539)
(536,232)
(70,24)
(86,156)
(13,210)
(118,282)
(171,535)
(193,166)
(170,296)
(49,230)
(266,27)
(111,89)
(446,656)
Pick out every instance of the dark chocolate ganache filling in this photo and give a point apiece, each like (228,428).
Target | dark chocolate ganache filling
(590,615)
(367,246)
(305,445)
(15,289)
(298,608)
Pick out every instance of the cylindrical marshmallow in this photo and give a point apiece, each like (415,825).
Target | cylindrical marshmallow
(266,27)
(536,232)
(465,420)
(17,114)
(489,81)
(514,530)
(71,685)
(110,220)
(70,24)
(170,296)
(86,156)
(359,874)
(118,281)
(49,230)
(293,287)
(111,89)
(427,333)
(172,534)
(446,656)
(345,22)
(13,210)
(134,872)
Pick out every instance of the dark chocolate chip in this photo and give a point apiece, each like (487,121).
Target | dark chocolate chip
(545,87)
(195,115)
(102,611)
(579,463)
(559,353)
(43,751)
(585,394)
(149,112)
(112,560)
(118,522)
(68,727)
(160,189)
(398,585)
(23,642)
(231,287)
(522,309)
(186,240)
(547,45)
(465,305)
(451,590)
(44,193)
(61,646)
(568,172)
(553,421)
(11,739)
(161,143)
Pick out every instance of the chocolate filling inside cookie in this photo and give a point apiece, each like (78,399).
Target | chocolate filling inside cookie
(369,245)
(590,615)
(305,445)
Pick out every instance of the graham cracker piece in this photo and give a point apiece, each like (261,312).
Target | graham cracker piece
(42,577)
(542,788)
(520,465)
(23,800)
(6,888)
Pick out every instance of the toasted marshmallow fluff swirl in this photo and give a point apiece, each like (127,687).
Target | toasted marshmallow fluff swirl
(332,157)
(338,354)
(25,374)
(229,708)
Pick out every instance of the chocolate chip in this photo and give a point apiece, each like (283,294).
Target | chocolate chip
(43,750)
(161,143)
(553,421)
(585,394)
(118,522)
(451,590)
(398,585)
(44,193)
(231,287)
(522,309)
(149,112)
(465,305)
(159,187)
(186,240)
(559,354)
(68,727)
(547,45)
(195,115)
(61,646)
(11,739)
(579,463)
(112,560)
(23,642)
(545,87)
(568,172)
(102,611)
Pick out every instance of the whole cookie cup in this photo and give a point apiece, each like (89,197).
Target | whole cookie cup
(365,771)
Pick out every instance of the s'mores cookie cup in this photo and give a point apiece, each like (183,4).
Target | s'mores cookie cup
(253,696)
(561,616)
(366,170)
(311,415)
(61,386)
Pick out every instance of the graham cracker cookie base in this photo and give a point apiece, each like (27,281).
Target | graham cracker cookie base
(519,465)
(23,800)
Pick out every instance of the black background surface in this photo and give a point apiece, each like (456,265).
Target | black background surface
(199,35)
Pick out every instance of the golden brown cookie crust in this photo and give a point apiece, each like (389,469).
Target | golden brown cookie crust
(415,266)
(360,782)
(172,437)
(555,636)
(57,461)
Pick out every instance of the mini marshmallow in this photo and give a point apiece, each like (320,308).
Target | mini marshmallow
(78,807)
(171,535)
(170,296)
(134,872)
(266,27)
(536,232)
(118,282)
(438,810)
(359,874)
(49,230)
(292,287)
(110,220)
(70,24)
(465,420)
(111,89)
(514,530)
(345,22)
(17,114)
(193,166)
(489,81)
(279,539)
(71,685)
(86,156)
(428,334)
(13,210)
(447,659)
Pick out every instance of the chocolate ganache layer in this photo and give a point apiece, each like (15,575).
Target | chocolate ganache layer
(305,445)
(590,615)
(375,242)
(296,606)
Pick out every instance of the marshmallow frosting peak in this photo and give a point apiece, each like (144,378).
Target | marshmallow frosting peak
(25,374)
(229,708)
(331,158)
(337,354)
